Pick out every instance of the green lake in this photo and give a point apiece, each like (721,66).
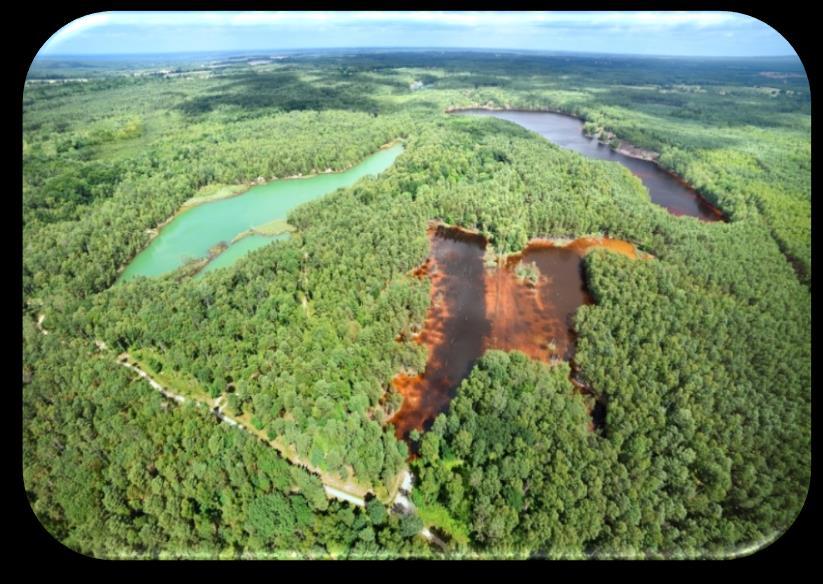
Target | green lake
(192,233)
(238,249)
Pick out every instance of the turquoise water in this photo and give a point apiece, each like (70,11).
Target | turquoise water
(238,250)
(192,233)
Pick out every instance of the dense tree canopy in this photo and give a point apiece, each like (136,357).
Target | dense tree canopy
(700,355)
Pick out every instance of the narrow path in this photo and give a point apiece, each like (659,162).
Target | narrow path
(39,324)
(432,538)
(124,361)
(400,504)
(400,500)
(343,496)
(215,407)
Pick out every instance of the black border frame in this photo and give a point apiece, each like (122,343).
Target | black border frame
(35,548)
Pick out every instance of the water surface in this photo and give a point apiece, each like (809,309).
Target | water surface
(475,308)
(454,331)
(237,250)
(665,189)
(195,231)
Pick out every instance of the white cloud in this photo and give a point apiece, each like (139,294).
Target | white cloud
(465,19)
(461,28)
(668,19)
(75,27)
(651,19)
(89,21)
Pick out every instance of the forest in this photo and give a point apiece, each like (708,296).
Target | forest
(701,355)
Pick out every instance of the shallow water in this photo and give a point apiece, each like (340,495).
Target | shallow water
(454,332)
(237,250)
(195,231)
(474,309)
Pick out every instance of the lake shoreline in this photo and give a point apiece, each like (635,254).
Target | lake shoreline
(623,147)
(247,185)
(232,191)
(502,311)
(265,230)
(193,202)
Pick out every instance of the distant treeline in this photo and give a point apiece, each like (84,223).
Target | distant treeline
(702,355)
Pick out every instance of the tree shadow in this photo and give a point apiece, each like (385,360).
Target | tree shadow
(282,90)
(739,107)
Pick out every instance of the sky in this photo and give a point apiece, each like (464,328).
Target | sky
(641,33)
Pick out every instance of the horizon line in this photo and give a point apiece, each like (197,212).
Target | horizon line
(792,55)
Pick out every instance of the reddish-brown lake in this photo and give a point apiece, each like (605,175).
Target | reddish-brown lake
(664,188)
(474,308)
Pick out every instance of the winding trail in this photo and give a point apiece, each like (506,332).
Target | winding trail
(123,360)
(215,407)
(399,504)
